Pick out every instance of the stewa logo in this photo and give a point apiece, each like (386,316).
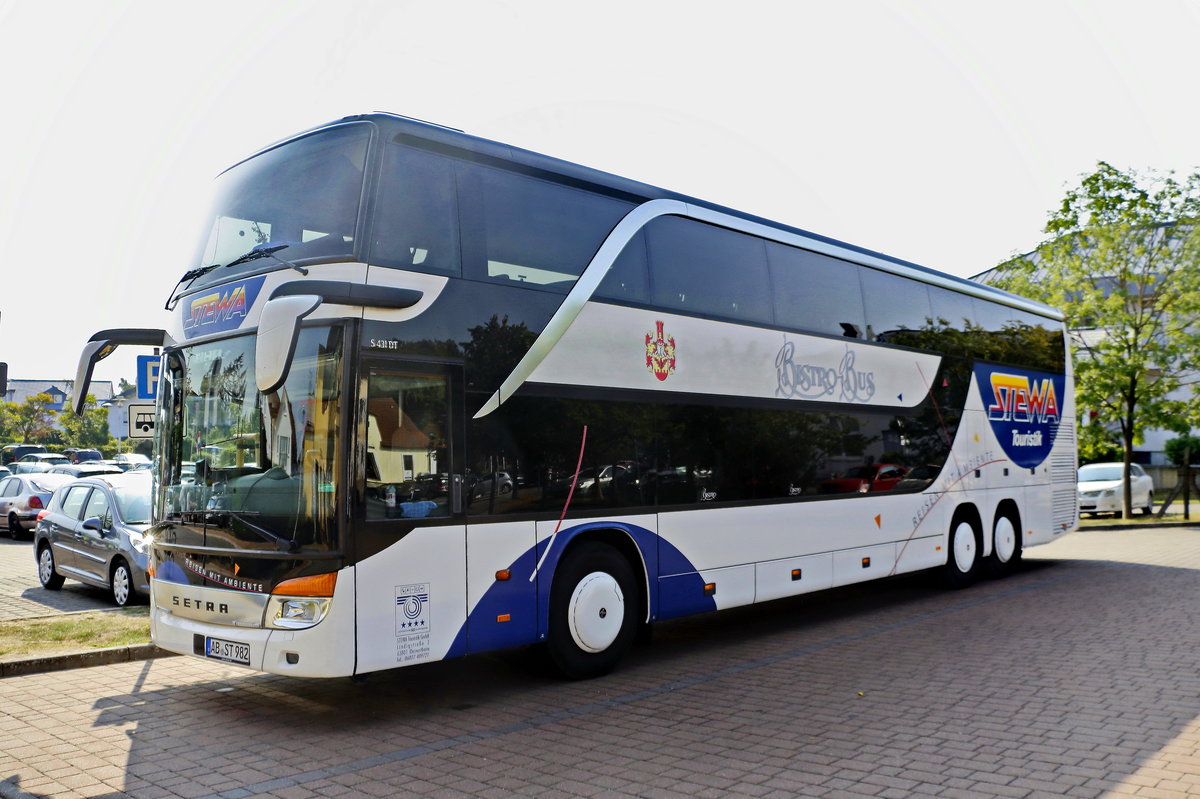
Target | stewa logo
(1023,409)
(224,308)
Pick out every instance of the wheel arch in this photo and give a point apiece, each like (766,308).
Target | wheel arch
(630,542)
(967,512)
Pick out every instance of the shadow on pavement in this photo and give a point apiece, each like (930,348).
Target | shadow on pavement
(1066,675)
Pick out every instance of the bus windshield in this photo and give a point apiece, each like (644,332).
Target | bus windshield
(245,468)
(304,194)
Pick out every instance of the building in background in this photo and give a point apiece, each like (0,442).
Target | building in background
(60,392)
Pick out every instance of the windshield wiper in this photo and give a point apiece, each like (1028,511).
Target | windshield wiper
(267,252)
(259,251)
(282,544)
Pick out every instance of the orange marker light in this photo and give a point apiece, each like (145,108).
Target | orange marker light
(317,585)
(710,589)
(504,617)
(503,575)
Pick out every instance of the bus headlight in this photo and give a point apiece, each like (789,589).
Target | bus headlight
(294,613)
(300,602)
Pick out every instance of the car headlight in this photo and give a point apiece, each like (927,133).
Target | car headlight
(1110,492)
(138,542)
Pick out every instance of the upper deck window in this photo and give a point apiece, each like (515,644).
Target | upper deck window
(530,231)
(305,193)
(416,217)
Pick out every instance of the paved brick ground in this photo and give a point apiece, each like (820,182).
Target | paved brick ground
(22,596)
(1075,677)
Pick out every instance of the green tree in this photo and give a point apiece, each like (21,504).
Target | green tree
(1123,264)
(88,429)
(33,419)
(7,421)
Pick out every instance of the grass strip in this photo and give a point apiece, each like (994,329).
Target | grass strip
(73,632)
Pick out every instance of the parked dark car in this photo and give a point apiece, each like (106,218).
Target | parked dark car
(94,532)
(23,496)
(84,455)
(13,452)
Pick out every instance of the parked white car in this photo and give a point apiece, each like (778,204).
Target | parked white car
(1101,488)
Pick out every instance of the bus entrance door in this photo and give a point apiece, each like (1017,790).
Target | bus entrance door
(410,532)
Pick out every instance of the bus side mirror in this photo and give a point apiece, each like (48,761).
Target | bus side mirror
(103,344)
(275,345)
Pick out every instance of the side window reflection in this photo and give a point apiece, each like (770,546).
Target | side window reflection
(407,457)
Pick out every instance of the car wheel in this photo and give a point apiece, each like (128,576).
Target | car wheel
(593,611)
(49,578)
(14,527)
(121,584)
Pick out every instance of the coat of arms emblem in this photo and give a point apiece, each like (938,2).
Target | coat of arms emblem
(660,353)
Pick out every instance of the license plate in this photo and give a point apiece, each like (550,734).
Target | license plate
(228,651)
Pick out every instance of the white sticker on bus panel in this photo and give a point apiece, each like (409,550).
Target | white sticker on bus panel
(629,348)
(412,599)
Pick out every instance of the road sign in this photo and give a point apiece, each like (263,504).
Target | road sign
(141,421)
(147,376)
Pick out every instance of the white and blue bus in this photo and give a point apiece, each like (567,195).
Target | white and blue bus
(428,395)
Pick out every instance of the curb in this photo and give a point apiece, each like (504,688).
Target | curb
(75,660)
(1098,528)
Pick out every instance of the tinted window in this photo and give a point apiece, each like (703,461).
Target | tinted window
(699,268)
(304,193)
(951,309)
(97,508)
(533,232)
(9,487)
(629,277)
(407,456)
(416,221)
(894,304)
(73,501)
(522,457)
(816,292)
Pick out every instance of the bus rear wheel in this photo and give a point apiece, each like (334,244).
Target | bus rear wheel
(1006,546)
(593,611)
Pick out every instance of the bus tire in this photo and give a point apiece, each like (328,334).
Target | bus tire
(593,611)
(1006,543)
(962,562)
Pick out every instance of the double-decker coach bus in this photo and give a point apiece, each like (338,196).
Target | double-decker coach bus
(428,395)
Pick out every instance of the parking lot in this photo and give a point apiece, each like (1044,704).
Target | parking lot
(22,597)
(1074,677)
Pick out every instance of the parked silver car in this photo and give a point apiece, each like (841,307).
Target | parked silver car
(23,497)
(94,532)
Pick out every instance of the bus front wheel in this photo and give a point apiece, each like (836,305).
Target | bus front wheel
(962,565)
(593,611)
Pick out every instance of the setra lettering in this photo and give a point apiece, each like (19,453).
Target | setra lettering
(200,604)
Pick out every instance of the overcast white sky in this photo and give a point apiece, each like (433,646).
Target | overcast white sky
(937,131)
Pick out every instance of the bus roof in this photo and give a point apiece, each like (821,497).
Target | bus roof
(456,143)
